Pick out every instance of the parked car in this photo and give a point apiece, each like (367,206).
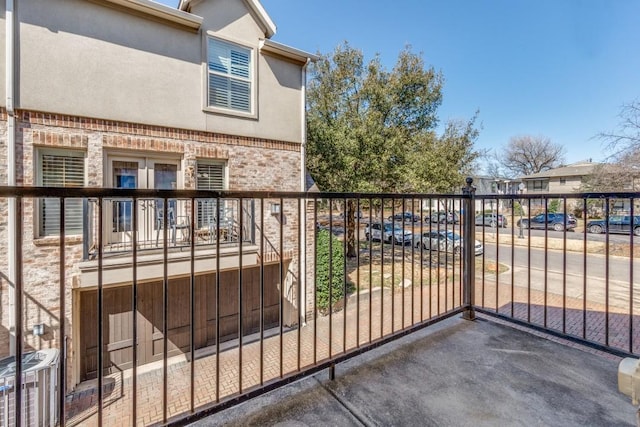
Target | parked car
(555,221)
(389,232)
(443,217)
(492,220)
(617,224)
(444,241)
(405,217)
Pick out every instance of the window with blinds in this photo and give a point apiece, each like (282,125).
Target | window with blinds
(209,176)
(60,170)
(229,76)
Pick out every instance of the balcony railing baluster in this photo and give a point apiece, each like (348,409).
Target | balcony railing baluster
(259,316)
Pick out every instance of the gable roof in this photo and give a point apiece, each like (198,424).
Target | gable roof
(258,11)
(575,169)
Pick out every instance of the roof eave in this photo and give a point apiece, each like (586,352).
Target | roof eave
(286,51)
(160,11)
(263,17)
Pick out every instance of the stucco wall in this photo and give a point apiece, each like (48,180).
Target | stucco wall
(571,185)
(3,73)
(81,58)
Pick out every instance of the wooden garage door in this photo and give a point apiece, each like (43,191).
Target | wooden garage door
(117,319)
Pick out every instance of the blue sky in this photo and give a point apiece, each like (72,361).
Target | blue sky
(557,68)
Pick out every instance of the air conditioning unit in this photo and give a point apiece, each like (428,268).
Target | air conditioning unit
(39,389)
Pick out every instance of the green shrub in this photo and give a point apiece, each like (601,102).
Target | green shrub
(322,270)
(553,206)
(517,208)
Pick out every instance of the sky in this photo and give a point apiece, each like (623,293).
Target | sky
(554,68)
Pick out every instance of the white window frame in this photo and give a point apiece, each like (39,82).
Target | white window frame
(225,171)
(146,165)
(251,79)
(39,176)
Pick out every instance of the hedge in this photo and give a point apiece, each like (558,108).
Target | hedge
(322,270)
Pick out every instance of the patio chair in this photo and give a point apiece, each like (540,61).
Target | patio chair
(175,222)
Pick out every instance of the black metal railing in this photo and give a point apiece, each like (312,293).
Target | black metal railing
(566,265)
(303,281)
(208,214)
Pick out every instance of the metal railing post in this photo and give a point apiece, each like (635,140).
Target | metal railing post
(469,274)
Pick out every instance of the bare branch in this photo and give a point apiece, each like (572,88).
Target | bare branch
(626,138)
(526,155)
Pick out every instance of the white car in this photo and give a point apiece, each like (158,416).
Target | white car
(444,241)
(389,232)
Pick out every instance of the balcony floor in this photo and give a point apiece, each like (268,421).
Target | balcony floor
(481,373)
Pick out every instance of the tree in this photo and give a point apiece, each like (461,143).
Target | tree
(626,138)
(362,119)
(372,130)
(621,172)
(443,161)
(493,164)
(526,155)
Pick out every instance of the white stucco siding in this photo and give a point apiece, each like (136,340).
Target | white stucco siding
(3,74)
(570,185)
(280,98)
(84,59)
(229,18)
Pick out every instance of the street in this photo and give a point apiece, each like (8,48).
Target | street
(532,267)
(555,270)
(571,235)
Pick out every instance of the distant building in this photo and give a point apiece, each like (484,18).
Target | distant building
(562,180)
(565,179)
(488,185)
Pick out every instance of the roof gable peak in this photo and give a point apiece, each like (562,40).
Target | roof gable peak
(255,6)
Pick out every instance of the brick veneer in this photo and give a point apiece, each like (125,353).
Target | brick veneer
(254,164)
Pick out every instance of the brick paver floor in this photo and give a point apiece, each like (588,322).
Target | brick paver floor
(369,316)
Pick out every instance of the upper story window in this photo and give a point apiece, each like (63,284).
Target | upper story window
(60,168)
(539,184)
(563,181)
(230,76)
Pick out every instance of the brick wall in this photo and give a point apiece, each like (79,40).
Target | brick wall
(253,164)
(4,284)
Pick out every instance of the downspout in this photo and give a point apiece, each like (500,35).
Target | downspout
(11,165)
(303,188)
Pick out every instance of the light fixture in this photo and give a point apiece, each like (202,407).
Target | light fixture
(38,329)
(275,209)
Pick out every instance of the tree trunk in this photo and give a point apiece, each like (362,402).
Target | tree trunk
(350,229)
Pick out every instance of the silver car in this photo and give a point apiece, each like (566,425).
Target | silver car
(388,232)
(444,241)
